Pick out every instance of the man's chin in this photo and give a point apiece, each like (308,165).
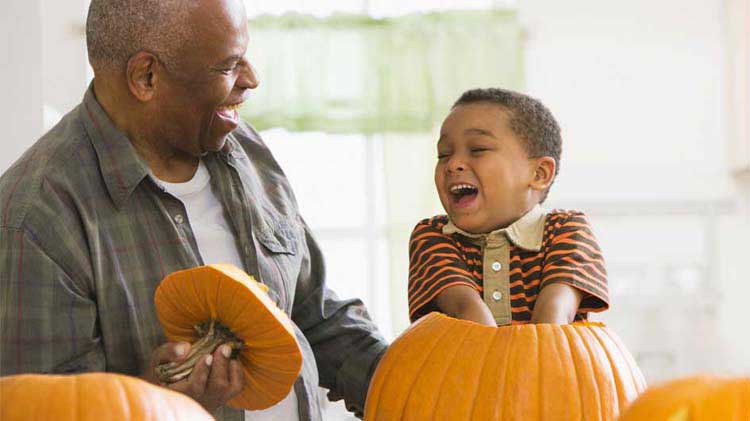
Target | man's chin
(213,145)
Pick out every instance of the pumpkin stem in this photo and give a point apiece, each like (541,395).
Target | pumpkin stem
(212,334)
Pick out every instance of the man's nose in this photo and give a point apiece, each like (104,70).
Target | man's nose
(248,78)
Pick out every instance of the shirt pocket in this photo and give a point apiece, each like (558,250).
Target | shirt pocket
(279,261)
(278,237)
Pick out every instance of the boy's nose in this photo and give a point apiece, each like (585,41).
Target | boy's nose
(455,166)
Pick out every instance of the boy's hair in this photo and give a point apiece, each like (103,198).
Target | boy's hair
(529,119)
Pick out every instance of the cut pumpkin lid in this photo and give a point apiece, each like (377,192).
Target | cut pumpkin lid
(270,355)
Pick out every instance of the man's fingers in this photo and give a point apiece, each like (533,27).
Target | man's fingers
(236,379)
(198,379)
(170,351)
(218,381)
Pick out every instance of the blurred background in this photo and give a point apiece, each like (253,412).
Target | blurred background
(653,99)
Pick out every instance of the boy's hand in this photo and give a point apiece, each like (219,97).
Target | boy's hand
(463,302)
(557,303)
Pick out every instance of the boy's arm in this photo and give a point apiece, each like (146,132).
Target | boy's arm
(574,279)
(463,302)
(557,303)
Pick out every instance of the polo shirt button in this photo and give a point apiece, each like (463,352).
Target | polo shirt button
(496,266)
(497,295)
(178,219)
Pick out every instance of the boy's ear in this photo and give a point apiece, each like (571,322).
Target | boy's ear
(544,173)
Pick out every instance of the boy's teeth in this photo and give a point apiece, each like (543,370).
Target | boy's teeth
(458,187)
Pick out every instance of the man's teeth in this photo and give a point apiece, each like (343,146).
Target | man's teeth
(232,107)
(459,187)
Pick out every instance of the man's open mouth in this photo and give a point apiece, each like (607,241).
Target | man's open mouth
(229,112)
(462,194)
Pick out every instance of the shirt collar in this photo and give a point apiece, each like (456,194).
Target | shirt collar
(120,166)
(526,233)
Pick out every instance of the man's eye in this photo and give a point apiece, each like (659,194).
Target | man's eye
(228,70)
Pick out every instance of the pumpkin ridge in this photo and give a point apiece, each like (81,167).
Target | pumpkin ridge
(499,338)
(235,303)
(76,397)
(92,396)
(445,371)
(591,363)
(174,299)
(411,388)
(602,385)
(577,375)
(619,384)
(639,381)
(378,382)
(261,388)
(124,396)
(540,395)
(481,370)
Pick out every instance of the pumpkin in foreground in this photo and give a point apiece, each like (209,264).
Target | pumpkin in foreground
(92,396)
(699,398)
(216,304)
(448,369)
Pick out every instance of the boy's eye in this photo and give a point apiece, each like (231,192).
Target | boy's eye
(478,150)
(443,155)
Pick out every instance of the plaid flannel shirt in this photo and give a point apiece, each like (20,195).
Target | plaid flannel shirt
(86,235)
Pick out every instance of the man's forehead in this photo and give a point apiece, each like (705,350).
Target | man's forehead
(219,30)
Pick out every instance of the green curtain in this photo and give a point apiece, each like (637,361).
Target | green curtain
(356,74)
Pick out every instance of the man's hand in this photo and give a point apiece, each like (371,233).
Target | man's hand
(215,379)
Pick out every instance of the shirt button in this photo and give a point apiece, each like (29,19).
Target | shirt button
(496,266)
(497,295)
(178,219)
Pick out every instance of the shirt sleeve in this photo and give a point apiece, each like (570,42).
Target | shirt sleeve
(47,320)
(574,258)
(435,263)
(346,343)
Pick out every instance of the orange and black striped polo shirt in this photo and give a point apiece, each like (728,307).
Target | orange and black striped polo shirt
(565,251)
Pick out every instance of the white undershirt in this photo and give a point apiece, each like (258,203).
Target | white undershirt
(216,244)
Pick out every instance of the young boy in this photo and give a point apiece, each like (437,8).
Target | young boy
(497,257)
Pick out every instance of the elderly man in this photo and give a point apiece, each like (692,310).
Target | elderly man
(152,173)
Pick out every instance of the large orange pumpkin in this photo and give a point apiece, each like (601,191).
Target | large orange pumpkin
(447,369)
(92,396)
(215,304)
(699,398)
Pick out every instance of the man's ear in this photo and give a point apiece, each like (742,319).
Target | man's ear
(544,173)
(141,75)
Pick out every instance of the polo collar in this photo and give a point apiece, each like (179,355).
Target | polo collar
(121,167)
(526,233)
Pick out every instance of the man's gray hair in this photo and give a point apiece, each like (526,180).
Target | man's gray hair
(117,29)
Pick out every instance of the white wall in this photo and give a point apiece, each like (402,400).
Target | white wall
(64,58)
(639,88)
(43,68)
(20,77)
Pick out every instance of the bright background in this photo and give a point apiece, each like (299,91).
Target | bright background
(653,99)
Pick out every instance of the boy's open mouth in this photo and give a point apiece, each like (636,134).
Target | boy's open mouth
(463,194)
